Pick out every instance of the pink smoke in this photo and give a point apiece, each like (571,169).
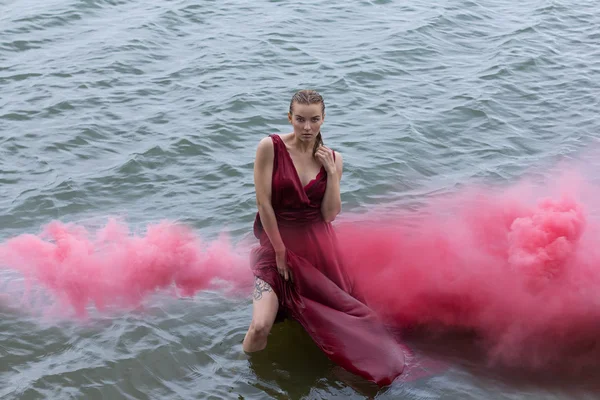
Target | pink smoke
(115,268)
(521,272)
(519,267)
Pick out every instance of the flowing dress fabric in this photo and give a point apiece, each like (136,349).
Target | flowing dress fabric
(320,297)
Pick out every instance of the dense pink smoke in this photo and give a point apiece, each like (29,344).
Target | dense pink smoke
(520,270)
(114,268)
(519,267)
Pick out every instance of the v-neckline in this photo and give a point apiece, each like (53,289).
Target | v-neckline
(312,181)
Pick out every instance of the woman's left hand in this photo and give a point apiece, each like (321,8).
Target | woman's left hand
(324,155)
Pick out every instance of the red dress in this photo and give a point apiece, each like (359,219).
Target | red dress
(320,298)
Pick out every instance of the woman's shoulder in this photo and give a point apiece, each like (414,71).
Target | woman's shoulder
(268,142)
(265,147)
(339,160)
(336,154)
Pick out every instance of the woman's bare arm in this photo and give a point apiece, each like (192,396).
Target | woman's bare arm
(263,172)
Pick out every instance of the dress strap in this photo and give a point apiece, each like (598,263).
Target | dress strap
(275,138)
(277,143)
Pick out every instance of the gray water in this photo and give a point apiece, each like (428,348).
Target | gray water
(152,110)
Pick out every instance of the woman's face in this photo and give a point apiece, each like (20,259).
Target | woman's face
(306,120)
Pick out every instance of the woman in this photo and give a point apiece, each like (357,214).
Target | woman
(297,266)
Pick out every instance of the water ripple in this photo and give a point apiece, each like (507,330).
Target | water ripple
(153,110)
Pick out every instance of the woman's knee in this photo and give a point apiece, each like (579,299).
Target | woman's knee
(260,328)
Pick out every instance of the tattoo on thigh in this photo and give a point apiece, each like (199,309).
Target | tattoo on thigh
(260,287)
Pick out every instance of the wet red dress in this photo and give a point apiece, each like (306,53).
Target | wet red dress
(321,297)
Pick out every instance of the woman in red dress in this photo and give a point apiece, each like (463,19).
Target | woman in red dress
(298,268)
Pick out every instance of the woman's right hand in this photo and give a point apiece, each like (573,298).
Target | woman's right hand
(282,267)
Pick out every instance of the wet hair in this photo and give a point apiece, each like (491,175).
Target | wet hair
(308,97)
